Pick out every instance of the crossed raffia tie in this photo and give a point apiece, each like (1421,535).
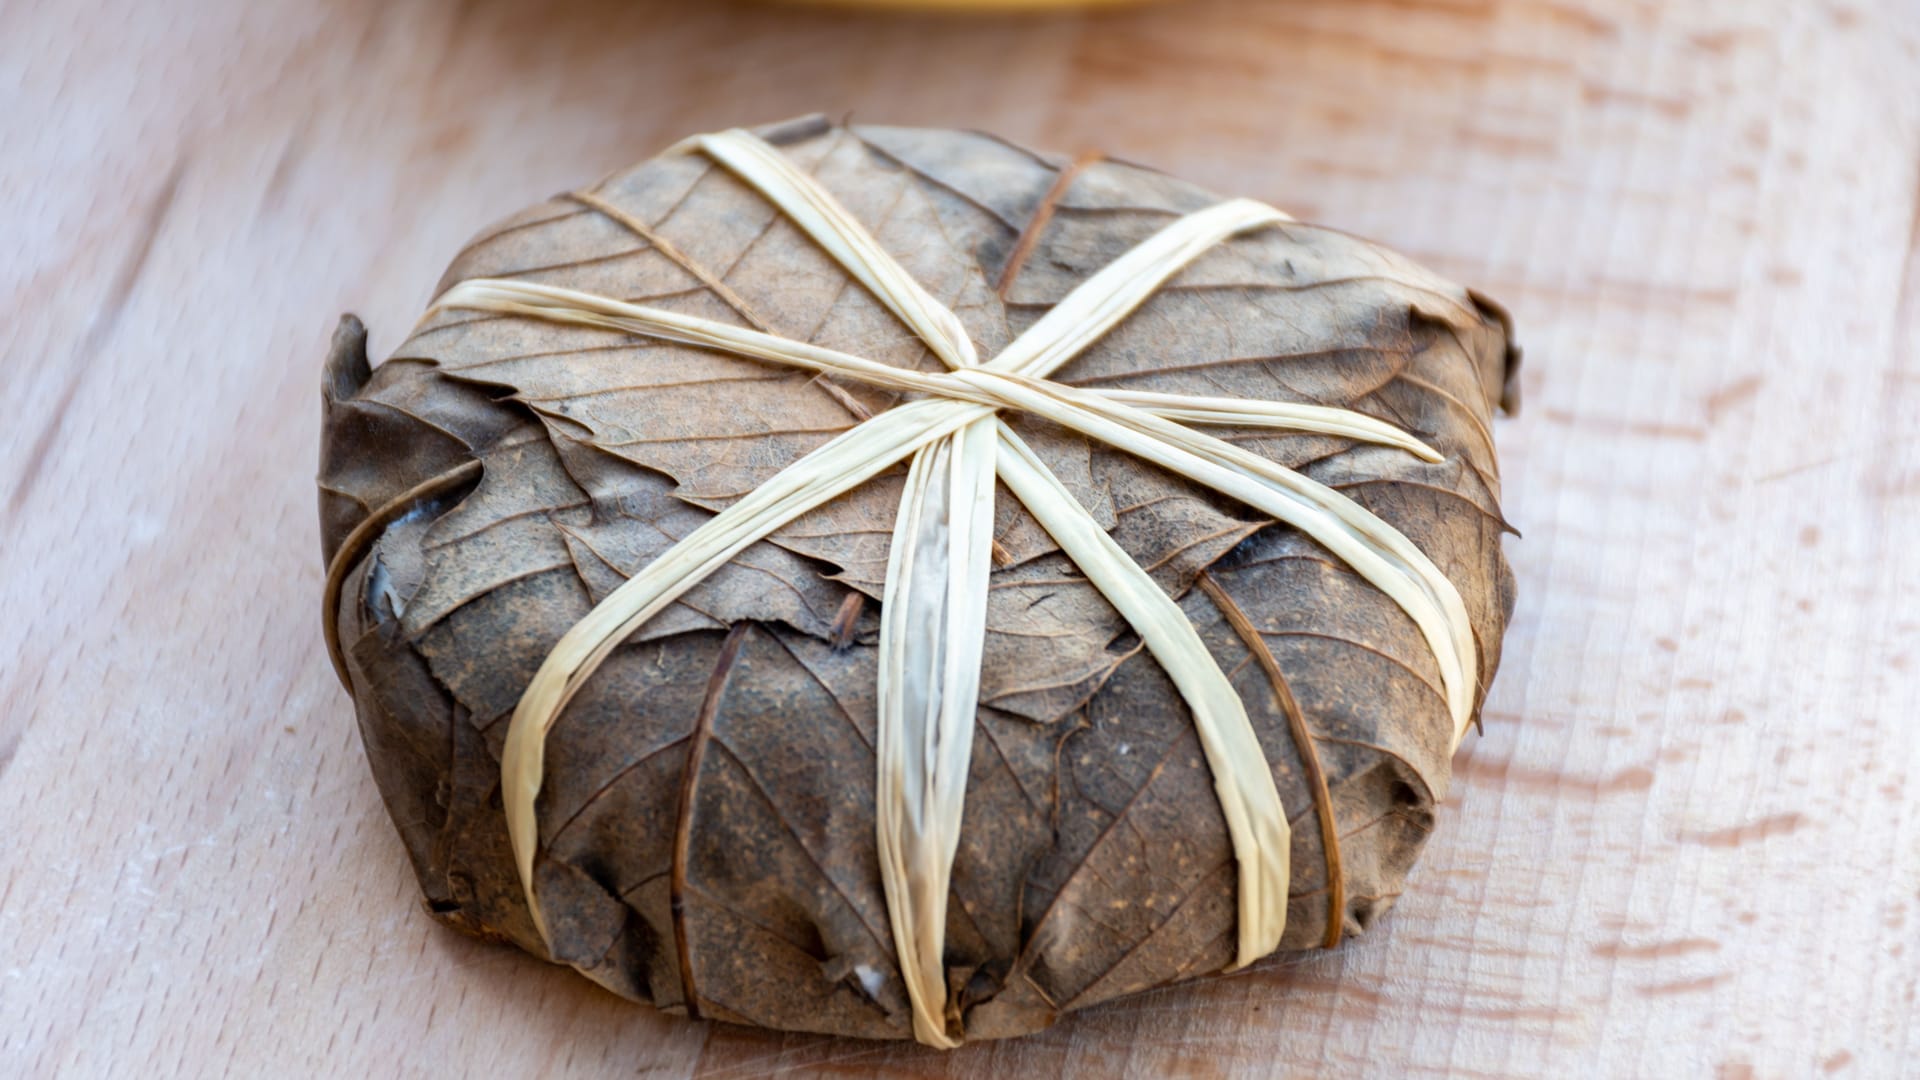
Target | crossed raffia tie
(933,611)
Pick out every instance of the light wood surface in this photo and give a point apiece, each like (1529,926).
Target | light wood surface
(1686,845)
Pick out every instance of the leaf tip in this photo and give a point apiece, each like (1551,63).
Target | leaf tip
(347,369)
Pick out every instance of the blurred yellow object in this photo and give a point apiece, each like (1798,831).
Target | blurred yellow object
(962,5)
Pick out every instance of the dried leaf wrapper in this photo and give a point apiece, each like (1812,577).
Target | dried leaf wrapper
(1088,704)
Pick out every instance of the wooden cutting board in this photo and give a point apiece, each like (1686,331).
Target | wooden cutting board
(1686,845)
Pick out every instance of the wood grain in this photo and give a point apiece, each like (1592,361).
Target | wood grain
(1687,843)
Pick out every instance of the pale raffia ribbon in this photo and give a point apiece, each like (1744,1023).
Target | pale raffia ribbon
(933,611)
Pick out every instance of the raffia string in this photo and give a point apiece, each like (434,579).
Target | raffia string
(933,611)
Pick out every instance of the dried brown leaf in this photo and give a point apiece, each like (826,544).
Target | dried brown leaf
(707,820)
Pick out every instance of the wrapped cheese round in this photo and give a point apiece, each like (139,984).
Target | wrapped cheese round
(694,644)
